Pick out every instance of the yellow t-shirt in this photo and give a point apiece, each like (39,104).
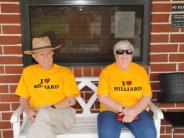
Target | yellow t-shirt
(125,87)
(46,86)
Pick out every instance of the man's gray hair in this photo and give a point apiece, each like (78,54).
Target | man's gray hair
(122,45)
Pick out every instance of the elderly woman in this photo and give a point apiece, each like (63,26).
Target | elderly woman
(124,92)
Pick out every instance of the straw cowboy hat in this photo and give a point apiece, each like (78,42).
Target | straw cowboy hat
(41,44)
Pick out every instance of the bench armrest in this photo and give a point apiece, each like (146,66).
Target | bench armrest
(15,120)
(157,113)
(16,115)
(157,116)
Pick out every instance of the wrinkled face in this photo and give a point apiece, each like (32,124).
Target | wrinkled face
(44,59)
(123,55)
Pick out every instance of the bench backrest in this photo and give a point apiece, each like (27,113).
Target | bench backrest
(86,107)
(91,82)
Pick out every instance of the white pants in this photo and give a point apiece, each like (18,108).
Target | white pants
(50,121)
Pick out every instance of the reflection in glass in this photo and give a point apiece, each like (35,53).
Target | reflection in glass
(88,33)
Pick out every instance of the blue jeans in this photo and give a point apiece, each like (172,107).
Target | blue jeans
(109,127)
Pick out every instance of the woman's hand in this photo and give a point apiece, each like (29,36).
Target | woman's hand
(127,119)
(130,111)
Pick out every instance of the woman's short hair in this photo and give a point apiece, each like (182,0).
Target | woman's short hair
(122,45)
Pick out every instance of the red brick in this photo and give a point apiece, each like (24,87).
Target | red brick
(13,88)
(176,58)
(5,125)
(158,18)
(77,71)
(96,71)
(163,67)
(177,38)
(10,8)
(164,48)
(181,67)
(87,71)
(11,60)
(10,79)
(11,29)
(155,86)
(1,70)
(9,18)
(13,69)
(166,136)
(164,122)
(154,76)
(12,50)
(3,88)
(166,105)
(162,129)
(9,98)
(168,128)
(1,49)
(4,107)
(10,0)
(161,7)
(160,0)
(159,58)
(163,28)
(7,134)
(15,105)
(181,48)
(179,104)
(159,38)
(155,95)
(10,40)
(6,116)
(175,110)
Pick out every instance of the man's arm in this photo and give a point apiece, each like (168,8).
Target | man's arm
(67,102)
(24,103)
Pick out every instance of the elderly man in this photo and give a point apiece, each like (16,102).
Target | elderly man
(47,91)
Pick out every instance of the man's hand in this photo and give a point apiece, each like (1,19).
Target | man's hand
(24,103)
(31,115)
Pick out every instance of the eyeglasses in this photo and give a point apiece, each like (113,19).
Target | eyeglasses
(127,52)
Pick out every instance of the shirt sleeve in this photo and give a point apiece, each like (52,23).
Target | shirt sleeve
(146,85)
(21,89)
(70,85)
(102,84)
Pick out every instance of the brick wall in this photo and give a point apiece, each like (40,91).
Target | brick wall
(166,55)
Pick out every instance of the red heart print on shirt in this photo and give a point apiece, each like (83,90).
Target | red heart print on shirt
(46,80)
(129,82)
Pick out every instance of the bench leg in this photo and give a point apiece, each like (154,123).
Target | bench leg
(172,132)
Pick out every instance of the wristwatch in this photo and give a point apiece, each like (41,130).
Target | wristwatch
(122,108)
(53,106)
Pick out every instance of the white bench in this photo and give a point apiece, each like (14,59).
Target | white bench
(86,125)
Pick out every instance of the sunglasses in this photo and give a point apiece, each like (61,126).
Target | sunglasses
(127,52)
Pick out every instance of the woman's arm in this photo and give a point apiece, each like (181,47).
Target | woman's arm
(131,112)
(142,104)
(110,103)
